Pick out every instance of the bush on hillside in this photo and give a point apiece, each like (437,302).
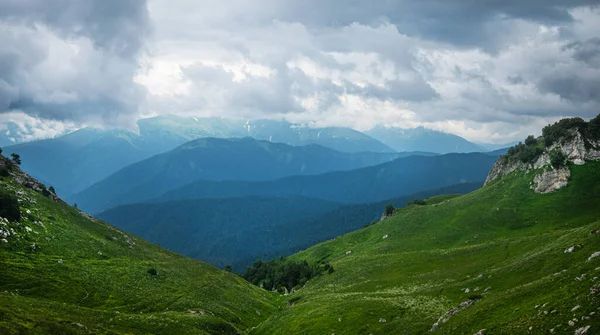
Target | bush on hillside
(417,202)
(9,207)
(593,130)
(45,191)
(558,158)
(279,274)
(562,130)
(16,158)
(4,171)
(530,141)
(51,189)
(526,153)
(389,209)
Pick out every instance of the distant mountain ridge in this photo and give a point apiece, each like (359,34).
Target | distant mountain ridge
(218,159)
(79,159)
(422,139)
(402,176)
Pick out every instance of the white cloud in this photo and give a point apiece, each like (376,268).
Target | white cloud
(486,71)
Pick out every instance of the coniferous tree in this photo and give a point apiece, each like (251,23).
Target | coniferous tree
(16,158)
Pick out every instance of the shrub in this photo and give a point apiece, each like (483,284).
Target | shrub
(279,274)
(45,191)
(389,209)
(228,268)
(16,158)
(561,130)
(557,158)
(4,171)
(594,128)
(525,153)
(9,207)
(417,202)
(530,141)
(51,189)
(153,272)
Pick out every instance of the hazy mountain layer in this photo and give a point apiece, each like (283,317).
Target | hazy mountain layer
(218,159)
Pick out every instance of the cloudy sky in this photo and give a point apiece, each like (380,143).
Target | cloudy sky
(490,71)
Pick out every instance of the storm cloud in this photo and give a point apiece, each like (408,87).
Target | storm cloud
(486,70)
(72,60)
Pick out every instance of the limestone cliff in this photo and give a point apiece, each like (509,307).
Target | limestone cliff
(577,149)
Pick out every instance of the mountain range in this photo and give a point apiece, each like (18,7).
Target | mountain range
(213,159)
(75,161)
(422,139)
(519,255)
(403,176)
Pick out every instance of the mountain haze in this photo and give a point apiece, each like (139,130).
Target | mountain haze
(403,176)
(422,139)
(77,160)
(218,159)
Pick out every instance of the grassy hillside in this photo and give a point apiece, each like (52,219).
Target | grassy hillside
(500,251)
(65,273)
(238,231)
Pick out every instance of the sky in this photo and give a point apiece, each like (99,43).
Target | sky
(490,71)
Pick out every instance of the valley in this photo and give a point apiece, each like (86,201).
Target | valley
(175,167)
(506,242)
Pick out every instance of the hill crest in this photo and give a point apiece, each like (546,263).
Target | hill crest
(568,141)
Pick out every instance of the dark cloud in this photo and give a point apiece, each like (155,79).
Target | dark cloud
(463,22)
(343,62)
(587,51)
(119,26)
(572,87)
(72,59)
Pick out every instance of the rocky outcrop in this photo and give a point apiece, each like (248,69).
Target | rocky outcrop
(26,180)
(551,180)
(576,150)
(444,318)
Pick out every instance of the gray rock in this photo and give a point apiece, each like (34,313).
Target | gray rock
(594,255)
(575,149)
(551,180)
(582,330)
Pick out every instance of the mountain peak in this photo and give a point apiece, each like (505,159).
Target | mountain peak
(422,139)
